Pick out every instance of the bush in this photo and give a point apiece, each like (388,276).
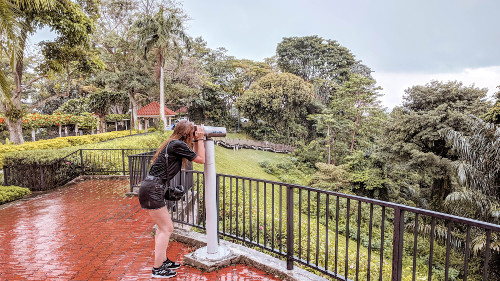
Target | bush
(54,167)
(11,193)
(58,144)
(289,170)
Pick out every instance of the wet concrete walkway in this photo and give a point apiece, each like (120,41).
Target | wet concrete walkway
(90,231)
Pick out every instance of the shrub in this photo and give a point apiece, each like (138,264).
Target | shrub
(50,168)
(116,117)
(11,193)
(8,150)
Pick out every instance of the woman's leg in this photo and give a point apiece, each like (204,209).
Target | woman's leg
(165,228)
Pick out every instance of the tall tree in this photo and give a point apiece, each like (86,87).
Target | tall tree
(72,24)
(325,63)
(493,114)
(362,102)
(163,33)
(116,41)
(283,102)
(101,103)
(246,73)
(478,170)
(413,142)
(216,97)
(352,119)
(10,32)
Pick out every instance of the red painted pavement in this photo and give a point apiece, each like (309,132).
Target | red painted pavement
(90,231)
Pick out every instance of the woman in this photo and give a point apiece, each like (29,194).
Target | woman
(179,150)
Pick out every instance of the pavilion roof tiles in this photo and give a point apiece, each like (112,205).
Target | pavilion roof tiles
(153,109)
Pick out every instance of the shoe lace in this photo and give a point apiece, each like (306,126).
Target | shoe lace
(163,269)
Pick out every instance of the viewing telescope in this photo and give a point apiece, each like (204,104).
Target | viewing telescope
(213,131)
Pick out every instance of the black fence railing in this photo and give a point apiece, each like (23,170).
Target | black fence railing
(344,237)
(80,162)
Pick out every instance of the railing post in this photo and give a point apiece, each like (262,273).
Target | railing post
(42,184)
(289,227)
(6,174)
(81,162)
(130,169)
(397,251)
(123,160)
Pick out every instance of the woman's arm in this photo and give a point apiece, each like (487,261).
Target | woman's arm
(199,146)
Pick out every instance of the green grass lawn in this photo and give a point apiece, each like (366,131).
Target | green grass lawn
(243,162)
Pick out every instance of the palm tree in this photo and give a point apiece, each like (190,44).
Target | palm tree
(478,171)
(164,34)
(9,31)
(11,40)
(8,35)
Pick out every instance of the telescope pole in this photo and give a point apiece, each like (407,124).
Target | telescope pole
(211,198)
(213,254)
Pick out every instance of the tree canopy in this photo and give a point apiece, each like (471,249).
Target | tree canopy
(413,140)
(282,101)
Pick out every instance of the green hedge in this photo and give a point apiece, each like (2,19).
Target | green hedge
(49,150)
(11,193)
(50,168)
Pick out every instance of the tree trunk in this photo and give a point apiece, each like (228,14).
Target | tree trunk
(134,115)
(354,130)
(60,131)
(333,158)
(162,98)
(134,122)
(76,129)
(102,124)
(329,144)
(33,135)
(15,126)
(15,131)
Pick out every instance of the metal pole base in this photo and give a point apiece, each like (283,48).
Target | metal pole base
(202,254)
(204,261)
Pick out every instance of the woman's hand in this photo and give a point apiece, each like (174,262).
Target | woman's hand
(200,133)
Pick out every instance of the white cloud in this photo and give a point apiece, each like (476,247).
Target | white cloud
(394,84)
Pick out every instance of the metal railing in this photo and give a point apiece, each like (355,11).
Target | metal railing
(345,237)
(342,236)
(39,176)
(106,161)
(251,144)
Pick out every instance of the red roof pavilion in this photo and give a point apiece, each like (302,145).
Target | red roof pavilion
(152,110)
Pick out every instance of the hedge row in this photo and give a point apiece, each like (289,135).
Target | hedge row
(56,148)
(37,120)
(11,193)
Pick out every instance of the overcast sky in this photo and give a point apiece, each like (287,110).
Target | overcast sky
(405,42)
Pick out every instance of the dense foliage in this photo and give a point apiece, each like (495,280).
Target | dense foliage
(12,193)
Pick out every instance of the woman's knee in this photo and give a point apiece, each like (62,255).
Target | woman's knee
(169,227)
(166,225)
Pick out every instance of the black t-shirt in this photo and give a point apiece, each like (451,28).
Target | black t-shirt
(176,150)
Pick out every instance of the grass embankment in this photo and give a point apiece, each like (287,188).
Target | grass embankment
(243,162)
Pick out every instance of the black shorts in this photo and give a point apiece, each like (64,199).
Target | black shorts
(151,193)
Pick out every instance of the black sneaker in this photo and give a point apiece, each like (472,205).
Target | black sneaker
(163,272)
(170,264)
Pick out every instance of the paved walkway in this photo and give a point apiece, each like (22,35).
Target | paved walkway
(90,231)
